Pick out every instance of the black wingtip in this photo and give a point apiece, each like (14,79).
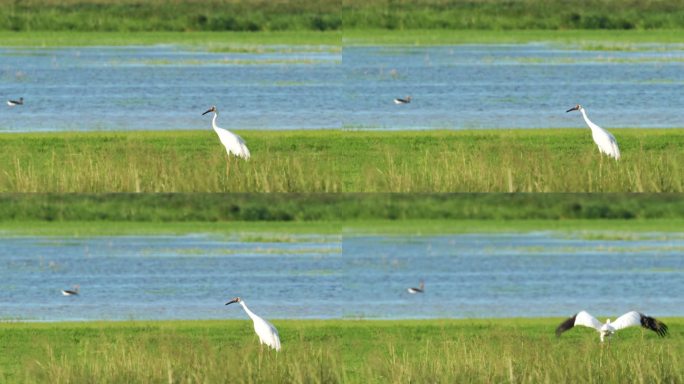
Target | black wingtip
(654,325)
(565,325)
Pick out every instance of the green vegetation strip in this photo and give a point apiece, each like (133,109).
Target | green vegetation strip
(241,41)
(575,38)
(283,207)
(336,351)
(303,15)
(544,160)
(285,231)
(218,41)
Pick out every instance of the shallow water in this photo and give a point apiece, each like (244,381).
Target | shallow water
(513,86)
(191,277)
(165,87)
(454,87)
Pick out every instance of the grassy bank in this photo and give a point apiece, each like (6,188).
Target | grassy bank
(524,14)
(558,160)
(583,39)
(209,40)
(594,39)
(159,15)
(286,231)
(216,208)
(262,15)
(331,351)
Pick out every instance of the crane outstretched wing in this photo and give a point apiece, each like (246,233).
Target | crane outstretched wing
(635,319)
(582,318)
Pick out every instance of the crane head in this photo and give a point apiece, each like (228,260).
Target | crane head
(212,109)
(575,108)
(235,300)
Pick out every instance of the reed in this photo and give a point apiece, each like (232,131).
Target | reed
(337,351)
(559,160)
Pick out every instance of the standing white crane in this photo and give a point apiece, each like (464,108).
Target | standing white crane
(234,144)
(268,334)
(629,319)
(605,140)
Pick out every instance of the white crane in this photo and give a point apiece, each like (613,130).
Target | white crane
(414,290)
(268,334)
(234,144)
(402,101)
(13,103)
(629,319)
(605,140)
(70,292)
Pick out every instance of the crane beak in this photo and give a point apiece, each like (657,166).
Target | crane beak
(232,301)
(571,109)
(210,110)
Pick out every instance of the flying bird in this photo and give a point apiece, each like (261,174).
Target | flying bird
(12,103)
(605,140)
(402,101)
(268,334)
(629,319)
(234,144)
(414,290)
(70,292)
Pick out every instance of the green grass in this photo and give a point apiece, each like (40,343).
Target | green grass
(575,38)
(286,231)
(253,41)
(296,15)
(159,15)
(208,207)
(544,160)
(332,351)
(215,41)
(507,15)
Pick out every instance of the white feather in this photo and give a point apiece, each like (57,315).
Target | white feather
(234,144)
(268,334)
(629,319)
(605,141)
(583,318)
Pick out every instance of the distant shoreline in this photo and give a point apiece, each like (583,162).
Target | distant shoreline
(580,38)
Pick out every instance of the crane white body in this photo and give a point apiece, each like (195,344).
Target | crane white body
(605,140)
(607,329)
(267,332)
(234,143)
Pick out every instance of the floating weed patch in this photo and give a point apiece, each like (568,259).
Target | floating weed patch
(627,47)
(270,61)
(285,238)
(270,49)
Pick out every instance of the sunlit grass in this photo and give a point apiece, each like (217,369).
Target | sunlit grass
(337,351)
(335,161)
(560,160)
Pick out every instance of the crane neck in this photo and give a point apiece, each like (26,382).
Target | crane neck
(213,124)
(249,313)
(586,119)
